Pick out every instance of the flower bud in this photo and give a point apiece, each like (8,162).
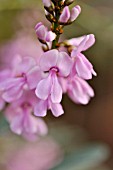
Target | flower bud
(47,3)
(43,34)
(40,31)
(75,12)
(64,17)
(68,2)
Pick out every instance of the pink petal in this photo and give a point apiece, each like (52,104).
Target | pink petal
(50,36)
(4,74)
(64,64)
(41,108)
(41,32)
(43,88)
(90,41)
(42,127)
(82,69)
(13,93)
(64,17)
(33,77)
(11,82)
(75,41)
(78,95)
(57,109)
(56,90)
(48,60)
(86,87)
(25,65)
(16,124)
(86,43)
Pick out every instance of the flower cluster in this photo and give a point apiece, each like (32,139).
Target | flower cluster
(31,86)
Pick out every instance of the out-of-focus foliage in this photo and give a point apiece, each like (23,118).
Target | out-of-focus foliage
(18,4)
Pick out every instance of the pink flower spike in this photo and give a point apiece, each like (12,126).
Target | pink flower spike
(75,13)
(47,3)
(64,17)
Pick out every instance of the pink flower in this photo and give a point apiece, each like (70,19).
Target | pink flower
(22,122)
(43,33)
(57,64)
(23,71)
(79,90)
(42,155)
(82,66)
(69,16)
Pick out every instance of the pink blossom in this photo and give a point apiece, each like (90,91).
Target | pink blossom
(57,64)
(23,70)
(22,122)
(43,33)
(79,90)
(42,155)
(82,66)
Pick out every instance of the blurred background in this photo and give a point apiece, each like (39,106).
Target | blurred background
(81,139)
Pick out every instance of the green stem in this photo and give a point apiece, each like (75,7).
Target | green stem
(56,25)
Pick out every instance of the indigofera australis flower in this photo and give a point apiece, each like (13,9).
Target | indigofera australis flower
(31,86)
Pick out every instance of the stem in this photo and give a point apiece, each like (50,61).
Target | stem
(56,25)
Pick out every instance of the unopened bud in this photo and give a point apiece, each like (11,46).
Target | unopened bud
(64,17)
(68,2)
(75,12)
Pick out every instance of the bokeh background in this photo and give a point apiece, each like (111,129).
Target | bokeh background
(82,139)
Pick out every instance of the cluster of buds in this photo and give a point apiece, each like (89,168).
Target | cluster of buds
(30,87)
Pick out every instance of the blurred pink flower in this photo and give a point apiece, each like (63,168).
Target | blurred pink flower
(43,155)
(43,33)
(21,78)
(22,45)
(82,66)
(21,120)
